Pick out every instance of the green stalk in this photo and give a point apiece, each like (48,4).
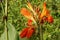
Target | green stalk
(40,33)
(6,19)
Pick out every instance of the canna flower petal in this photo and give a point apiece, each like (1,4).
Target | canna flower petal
(26,13)
(23,33)
(27,32)
(30,32)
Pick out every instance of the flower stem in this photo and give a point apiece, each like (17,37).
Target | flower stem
(40,33)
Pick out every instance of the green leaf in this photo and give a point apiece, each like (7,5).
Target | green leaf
(10,34)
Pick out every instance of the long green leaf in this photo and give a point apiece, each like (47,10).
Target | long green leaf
(11,34)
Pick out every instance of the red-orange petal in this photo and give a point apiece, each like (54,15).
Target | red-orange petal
(30,32)
(23,33)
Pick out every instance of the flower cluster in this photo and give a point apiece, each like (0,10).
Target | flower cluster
(34,16)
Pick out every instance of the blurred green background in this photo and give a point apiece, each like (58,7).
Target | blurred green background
(16,22)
